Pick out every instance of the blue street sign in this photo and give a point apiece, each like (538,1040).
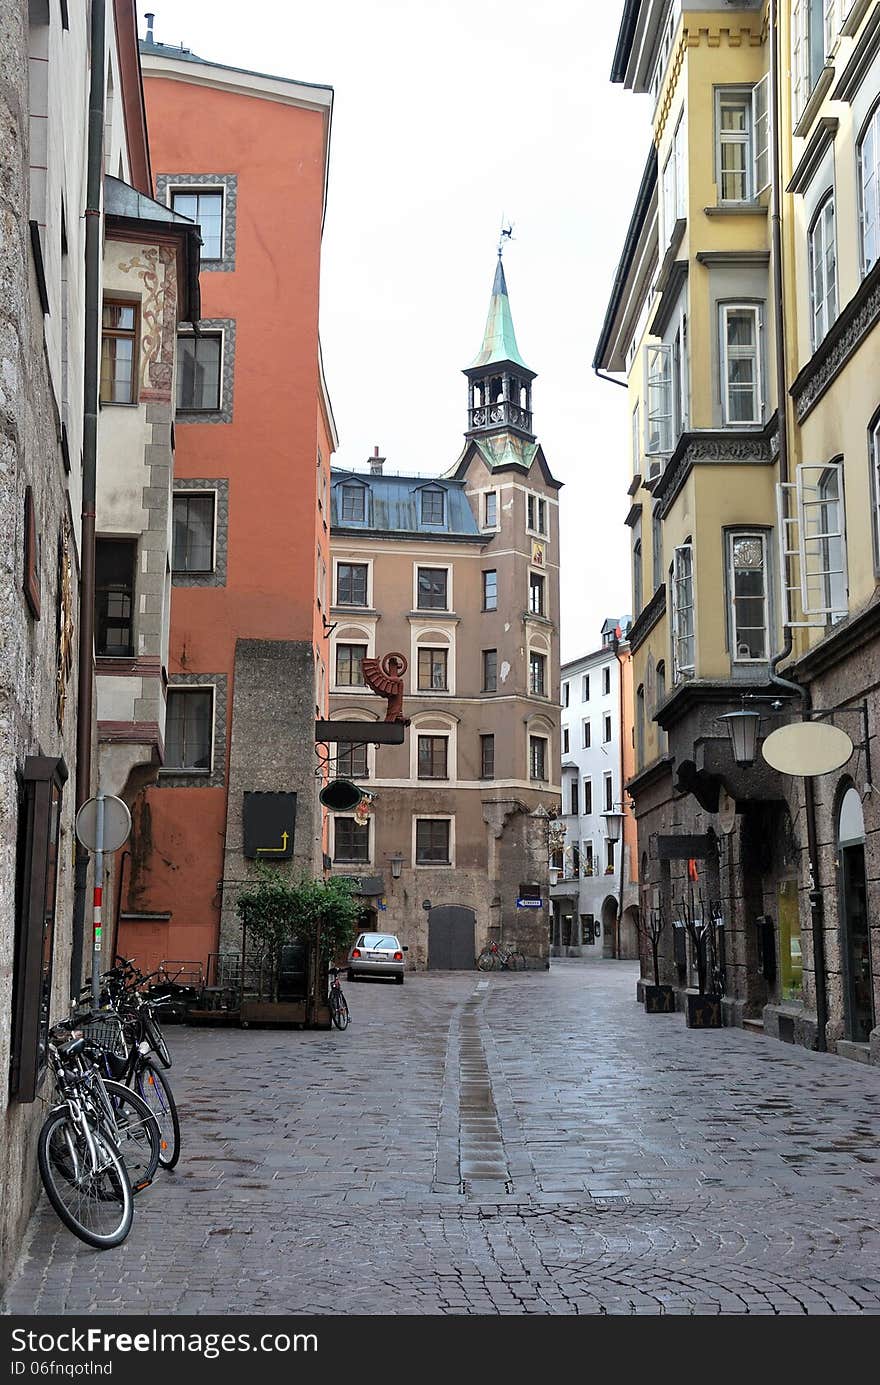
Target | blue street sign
(529,903)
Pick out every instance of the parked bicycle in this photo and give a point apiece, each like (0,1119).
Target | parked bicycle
(339,1012)
(97,1147)
(495,957)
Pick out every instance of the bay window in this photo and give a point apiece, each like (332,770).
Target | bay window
(741,393)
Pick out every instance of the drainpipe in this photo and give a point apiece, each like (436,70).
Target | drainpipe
(621,726)
(817,912)
(86,674)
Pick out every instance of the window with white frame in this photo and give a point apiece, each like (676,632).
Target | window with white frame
(869,190)
(874,448)
(831,521)
(586,735)
(566,693)
(674,205)
(682,583)
(588,797)
(536,514)
(490,589)
(351,841)
(537,674)
(490,670)
(741,363)
(636,442)
(490,510)
(349,673)
(742,141)
(637,573)
(747,596)
(205,206)
(199,361)
(433,757)
(823,271)
(189,723)
(433,841)
(192,531)
(432,589)
(640,725)
(536,594)
(658,403)
(608,786)
(432,669)
(588,864)
(812,536)
(606,681)
(814,28)
(537,757)
(585,688)
(353,504)
(433,506)
(680,386)
(566,740)
(606,728)
(351,584)
(656,548)
(351,760)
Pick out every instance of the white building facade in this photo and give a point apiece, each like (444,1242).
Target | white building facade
(587,895)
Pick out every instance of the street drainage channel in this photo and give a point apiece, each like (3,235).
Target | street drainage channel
(483,1163)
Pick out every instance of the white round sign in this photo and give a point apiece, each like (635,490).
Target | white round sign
(807,748)
(117,823)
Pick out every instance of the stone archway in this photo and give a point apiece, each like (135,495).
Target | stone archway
(629,934)
(609,926)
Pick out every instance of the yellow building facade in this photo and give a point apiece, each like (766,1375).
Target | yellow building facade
(745,321)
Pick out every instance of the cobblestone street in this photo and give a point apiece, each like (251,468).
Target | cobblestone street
(524,1143)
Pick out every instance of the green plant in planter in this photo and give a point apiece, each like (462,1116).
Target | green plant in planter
(276,907)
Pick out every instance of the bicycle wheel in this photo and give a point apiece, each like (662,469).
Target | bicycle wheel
(487,960)
(516,961)
(152,1086)
(153,1033)
(138,1134)
(95,1203)
(339,1009)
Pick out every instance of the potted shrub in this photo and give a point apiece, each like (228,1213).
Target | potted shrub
(277,911)
(659,999)
(703,1010)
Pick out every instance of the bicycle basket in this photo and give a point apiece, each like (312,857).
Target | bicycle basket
(107,1033)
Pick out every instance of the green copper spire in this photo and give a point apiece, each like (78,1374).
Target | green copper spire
(499,339)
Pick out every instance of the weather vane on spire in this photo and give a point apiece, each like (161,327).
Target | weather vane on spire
(506,233)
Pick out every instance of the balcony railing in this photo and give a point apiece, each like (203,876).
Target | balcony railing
(500,414)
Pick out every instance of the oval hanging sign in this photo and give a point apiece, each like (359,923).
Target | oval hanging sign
(807,748)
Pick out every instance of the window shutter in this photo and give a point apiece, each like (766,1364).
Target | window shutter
(761,135)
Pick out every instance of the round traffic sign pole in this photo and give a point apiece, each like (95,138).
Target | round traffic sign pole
(102,824)
(99,899)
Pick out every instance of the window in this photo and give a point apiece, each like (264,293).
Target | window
(640,725)
(354,504)
(741,364)
(823,271)
(588,797)
(674,183)
(432,588)
(742,141)
(869,191)
(432,757)
(349,673)
(609,857)
(432,841)
(490,510)
(351,841)
(433,507)
(662,739)
(118,353)
(587,863)
(207,209)
(566,692)
(490,590)
(351,584)
(566,739)
(831,520)
(682,583)
(536,514)
(537,665)
(192,543)
(813,533)
(747,595)
(536,594)
(490,670)
(585,735)
(608,781)
(874,449)
(575,861)
(656,549)
(636,442)
(198,372)
(487,757)
(351,760)
(188,726)
(637,576)
(537,757)
(114,597)
(585,688)
(680,384)
(606,681)
(432,669)
(658,407)
(813,31)
(574,810)
(606,728)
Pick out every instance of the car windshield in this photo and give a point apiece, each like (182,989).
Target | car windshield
(375,941)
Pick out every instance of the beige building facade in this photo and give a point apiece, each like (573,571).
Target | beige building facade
(744,320)
(460,575)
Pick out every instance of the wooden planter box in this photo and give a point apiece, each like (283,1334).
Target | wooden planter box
(659,1000)
(703,1011)
(283,1012)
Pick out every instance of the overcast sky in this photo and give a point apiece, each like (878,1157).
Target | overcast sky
(448,115)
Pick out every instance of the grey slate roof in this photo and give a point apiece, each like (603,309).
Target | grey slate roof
(393,506)
(122,200)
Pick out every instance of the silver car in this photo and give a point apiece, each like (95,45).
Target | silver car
(377,954)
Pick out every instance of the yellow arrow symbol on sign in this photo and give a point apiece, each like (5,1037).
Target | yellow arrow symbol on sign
(265,850)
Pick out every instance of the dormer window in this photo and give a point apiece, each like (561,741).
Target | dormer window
(433,505)
(354,504)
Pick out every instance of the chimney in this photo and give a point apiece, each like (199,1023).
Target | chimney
(149,18)
(376,463)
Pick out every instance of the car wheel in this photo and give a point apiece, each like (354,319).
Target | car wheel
(399,980)
(351,975)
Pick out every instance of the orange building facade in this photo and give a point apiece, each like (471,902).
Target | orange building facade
(245,156)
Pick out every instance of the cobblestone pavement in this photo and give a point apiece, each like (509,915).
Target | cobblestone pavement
(525,1143)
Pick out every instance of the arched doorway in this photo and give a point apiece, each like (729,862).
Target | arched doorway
(609,926)
(855,933)
(629,934)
